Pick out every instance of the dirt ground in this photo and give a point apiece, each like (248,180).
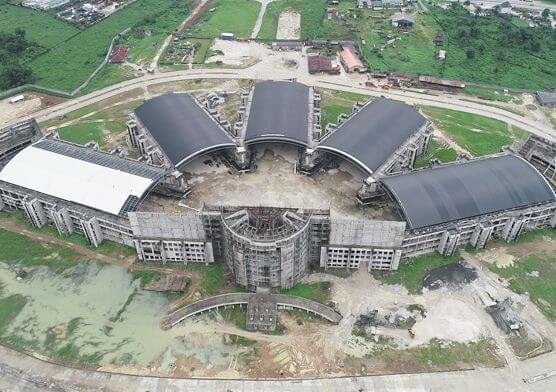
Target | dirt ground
(289,25)
(274,183)
(33,102)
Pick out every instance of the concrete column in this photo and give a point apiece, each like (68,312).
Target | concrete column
(92,231)
(35,212)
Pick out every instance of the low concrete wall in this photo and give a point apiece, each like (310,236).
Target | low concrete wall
(232,299)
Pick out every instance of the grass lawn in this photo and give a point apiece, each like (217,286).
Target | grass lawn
(66,66)
(318,292)
(440,356)
(86,131)
(40,27)
(230,16)
(477,134)
(109,248)
(213,279)
(439,150)
(334,103)
(18,249)
(412,52)
(492,95)
(313,15)
(411,271)
(541,288)
(109,74)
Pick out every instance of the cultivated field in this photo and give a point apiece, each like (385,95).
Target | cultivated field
(228,16)
(74,54)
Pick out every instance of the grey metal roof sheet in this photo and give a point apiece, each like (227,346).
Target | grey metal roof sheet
(279,112)
(374,133)
(181,127)
(463,190)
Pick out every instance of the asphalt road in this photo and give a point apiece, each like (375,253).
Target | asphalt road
(262,72)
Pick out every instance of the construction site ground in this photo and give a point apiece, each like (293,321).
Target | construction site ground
(454,332)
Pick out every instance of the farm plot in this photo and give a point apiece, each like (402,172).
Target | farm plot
(228,16)
(66,66)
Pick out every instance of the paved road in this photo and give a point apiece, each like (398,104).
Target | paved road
(259,22)
(262,72)
(19,372)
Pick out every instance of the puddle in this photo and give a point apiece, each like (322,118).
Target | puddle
(96,313)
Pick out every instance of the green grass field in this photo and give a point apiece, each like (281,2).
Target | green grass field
(439,150)
(318,292)
(66,66)
(40,27)
(230,16)
(313,15)
(334,103)
(107,247)
(477,134)
(411,271)
(18,249)
(541,288)
(410,52)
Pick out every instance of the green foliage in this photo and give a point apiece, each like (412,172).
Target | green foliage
(241,341)
(439,150)
(411,271)
(230,16)
(66,66)
(40,27)
(318,292)
(335,102)
(504,53)
(444,355)
(18,249)
(10,307)
(121,311)
(146,277)
(213,279)
(477,134)
(13,47)
(540,288)
(312,13)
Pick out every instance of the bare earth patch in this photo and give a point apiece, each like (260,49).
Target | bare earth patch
(289,25)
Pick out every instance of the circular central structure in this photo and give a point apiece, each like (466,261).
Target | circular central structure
(267,247)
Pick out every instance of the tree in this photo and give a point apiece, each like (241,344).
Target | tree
(470,54)
(545,13)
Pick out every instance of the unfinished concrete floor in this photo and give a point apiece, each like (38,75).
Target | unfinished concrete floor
(275,183)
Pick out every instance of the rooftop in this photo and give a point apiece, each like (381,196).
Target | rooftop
(169,226)
(181,127)
(371,135)
(350,58)
(279,112)
(464,190)
(350,232)
(546,97)
(91,178)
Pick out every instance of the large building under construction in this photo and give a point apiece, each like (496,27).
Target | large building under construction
(80,189)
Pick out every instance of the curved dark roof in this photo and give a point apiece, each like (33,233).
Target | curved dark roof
(374,133)
(463,190)
(279,112)
(181,127)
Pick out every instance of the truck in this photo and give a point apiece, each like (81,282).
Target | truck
(17,98)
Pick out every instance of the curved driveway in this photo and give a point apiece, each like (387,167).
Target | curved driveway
(261,72)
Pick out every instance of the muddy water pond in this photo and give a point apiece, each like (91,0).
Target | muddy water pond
(97,315)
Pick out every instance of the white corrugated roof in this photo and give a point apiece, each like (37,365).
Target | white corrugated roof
(74,180)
